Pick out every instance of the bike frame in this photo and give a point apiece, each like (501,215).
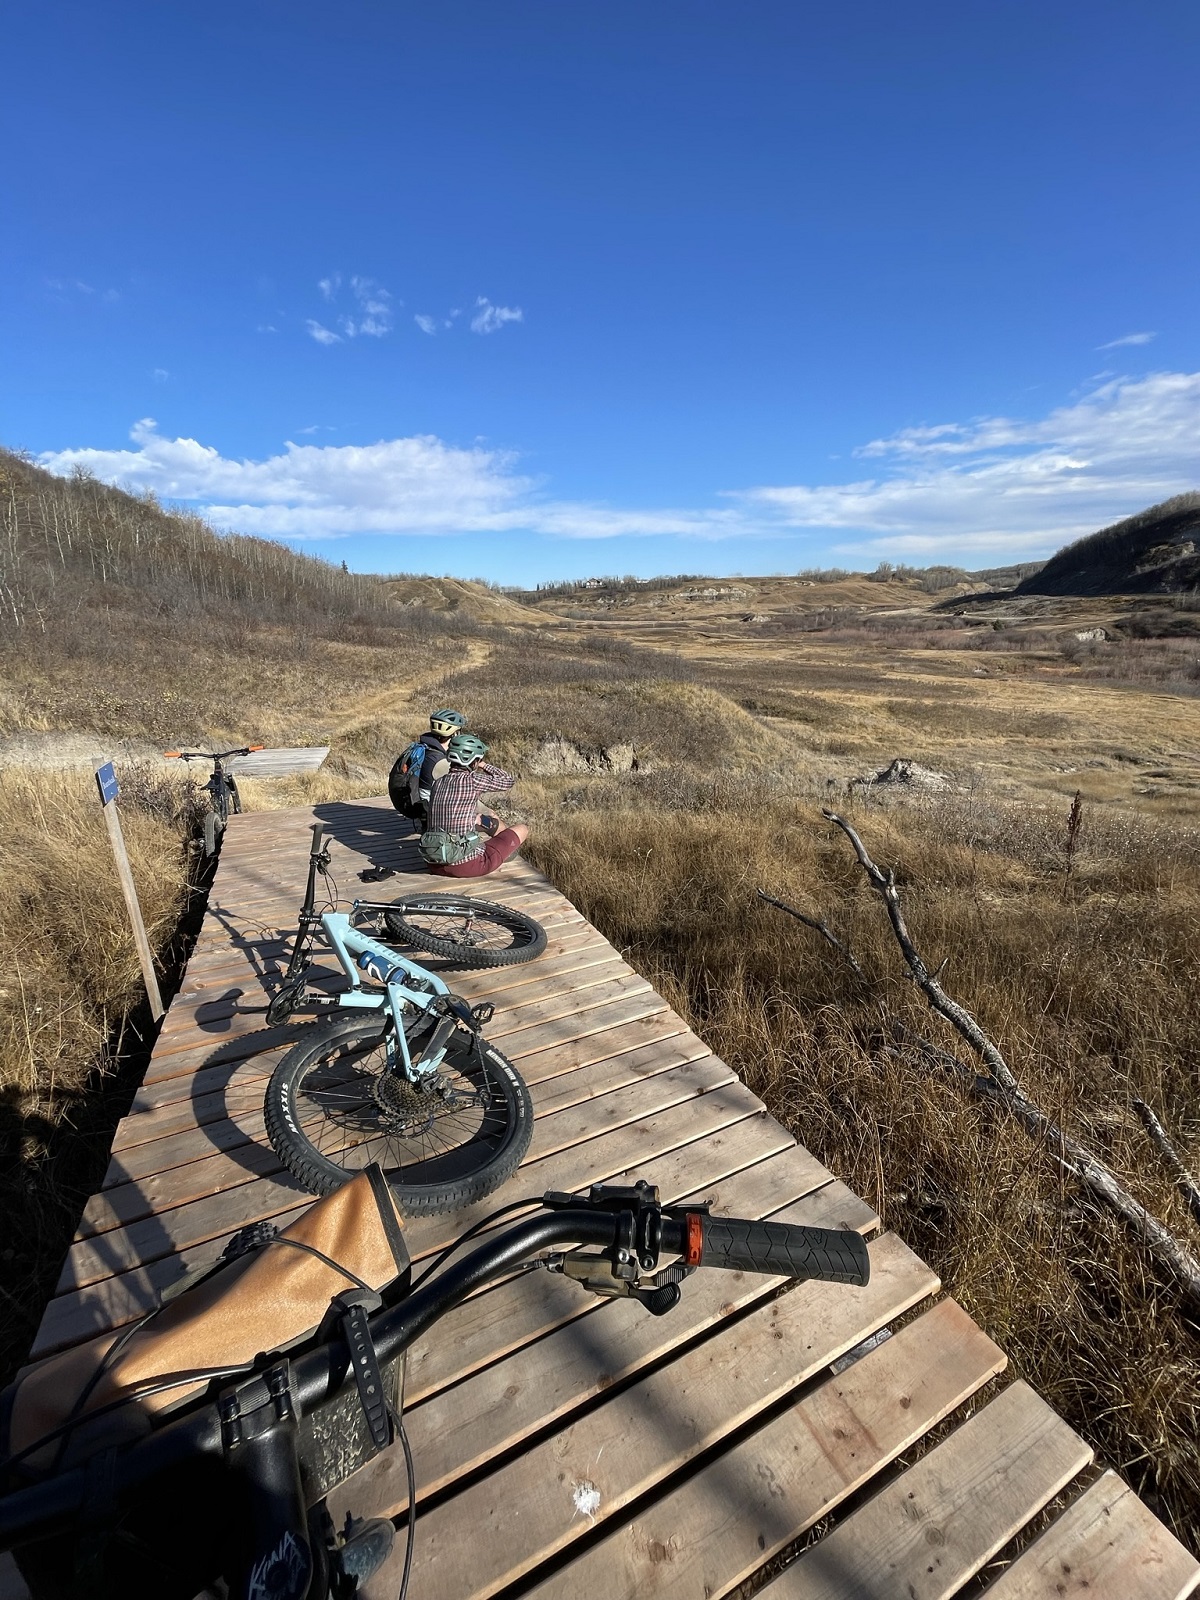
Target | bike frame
(348,942)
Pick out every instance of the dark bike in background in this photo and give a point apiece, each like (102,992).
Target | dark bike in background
(221,789)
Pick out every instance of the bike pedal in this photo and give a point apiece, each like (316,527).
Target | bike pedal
(482,1014)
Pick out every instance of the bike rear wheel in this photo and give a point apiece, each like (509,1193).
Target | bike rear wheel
(335,1104)
(473,933)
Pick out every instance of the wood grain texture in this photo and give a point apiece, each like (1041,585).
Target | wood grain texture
(549,1495)
(717,1528)
(1107,1546)
(931,1529)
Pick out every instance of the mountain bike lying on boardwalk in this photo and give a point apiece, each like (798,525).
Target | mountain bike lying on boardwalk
(221,788)
(173,1457)
(398,1073)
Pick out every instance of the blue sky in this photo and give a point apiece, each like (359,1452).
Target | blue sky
(539,290)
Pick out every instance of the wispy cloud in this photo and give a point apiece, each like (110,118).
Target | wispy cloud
(64,289)
(369,314)
(490,319)
(321,333)
(962,491)
(161,374)
(1126,339)
(426,324)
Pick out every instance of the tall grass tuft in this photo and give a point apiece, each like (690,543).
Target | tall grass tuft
(69,980)
(1092,1000)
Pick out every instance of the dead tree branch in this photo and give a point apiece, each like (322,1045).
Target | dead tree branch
(957,1016)
(1000,1088)
(818,925)
(1161,1141)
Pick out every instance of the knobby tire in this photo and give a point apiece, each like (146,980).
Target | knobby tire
(325,1119)
(499,937)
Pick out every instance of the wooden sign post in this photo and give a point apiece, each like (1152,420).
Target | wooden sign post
(106,779)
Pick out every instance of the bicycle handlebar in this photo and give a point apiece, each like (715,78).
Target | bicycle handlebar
(211,755)
(787,1250)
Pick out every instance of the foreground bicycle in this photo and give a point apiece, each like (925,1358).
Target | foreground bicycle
(221,789)
(397,1074)
(172,1458)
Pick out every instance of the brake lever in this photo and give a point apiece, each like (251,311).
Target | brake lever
(659,1293)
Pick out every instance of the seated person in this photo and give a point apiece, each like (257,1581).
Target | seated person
(411,780)
(455,814)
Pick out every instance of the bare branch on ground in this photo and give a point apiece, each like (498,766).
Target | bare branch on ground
(999,1087)
(818,925)
(1161,1141)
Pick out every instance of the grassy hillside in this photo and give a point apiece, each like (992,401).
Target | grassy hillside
(125,618)
(1152,553)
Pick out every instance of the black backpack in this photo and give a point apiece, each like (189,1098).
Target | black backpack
(404,781)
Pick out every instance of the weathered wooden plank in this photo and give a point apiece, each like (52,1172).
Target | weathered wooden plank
(512,1314)
(203,1099)
(933,1528)
(557,1046)
(283,762)
(562,970)
(545,1498)
(242,1104)
(1107,1546)
(582,1347)
(565,929)
(210,1169)
(113,1300)
(712,1532)
(125,1248)
(540,1001)
(526,1392)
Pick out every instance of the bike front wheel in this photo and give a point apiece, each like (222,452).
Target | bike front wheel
(473,933)
(339,1101)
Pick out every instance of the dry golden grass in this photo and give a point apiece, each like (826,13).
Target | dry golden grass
(69,981)
(1092,997)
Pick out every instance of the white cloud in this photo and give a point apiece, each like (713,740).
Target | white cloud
(370,316)
(266,327)
(161,374)
(426,324)
(992,488)
(1128,338)
(489,318)
(999,483)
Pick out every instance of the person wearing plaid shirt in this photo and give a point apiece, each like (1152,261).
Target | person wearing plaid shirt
(454,807)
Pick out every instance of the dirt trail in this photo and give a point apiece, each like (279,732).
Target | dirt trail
(361,710)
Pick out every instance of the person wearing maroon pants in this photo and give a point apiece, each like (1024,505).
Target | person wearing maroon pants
(454,807)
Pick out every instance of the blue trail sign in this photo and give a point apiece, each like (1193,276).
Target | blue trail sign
(106,777)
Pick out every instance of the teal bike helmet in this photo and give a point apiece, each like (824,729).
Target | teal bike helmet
(465,748)
(447,723)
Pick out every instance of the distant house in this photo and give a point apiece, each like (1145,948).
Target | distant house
(592,583)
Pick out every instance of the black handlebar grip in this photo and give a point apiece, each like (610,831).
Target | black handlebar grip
(318,833)
(785,1250)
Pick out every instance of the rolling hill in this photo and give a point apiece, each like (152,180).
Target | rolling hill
(1154,552)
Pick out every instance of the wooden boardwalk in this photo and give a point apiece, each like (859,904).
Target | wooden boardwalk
(567,1447)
